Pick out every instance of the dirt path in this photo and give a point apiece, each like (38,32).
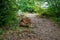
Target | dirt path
(45,29)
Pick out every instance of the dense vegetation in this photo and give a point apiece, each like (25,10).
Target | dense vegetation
(54,9)
(48,8)
(8,9)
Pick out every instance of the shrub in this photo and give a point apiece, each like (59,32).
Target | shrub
(8,11)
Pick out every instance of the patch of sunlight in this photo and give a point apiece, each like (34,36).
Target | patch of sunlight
(44,5)
(20,12)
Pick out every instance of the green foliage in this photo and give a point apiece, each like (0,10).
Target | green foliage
(26,5)
(52,11)
(54,8)
(8,10)
(10,7)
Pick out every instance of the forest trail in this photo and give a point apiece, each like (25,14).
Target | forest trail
(45,29)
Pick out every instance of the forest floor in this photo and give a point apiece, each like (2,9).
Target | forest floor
(44,29)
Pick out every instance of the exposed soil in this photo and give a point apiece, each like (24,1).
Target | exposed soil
(44,30)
